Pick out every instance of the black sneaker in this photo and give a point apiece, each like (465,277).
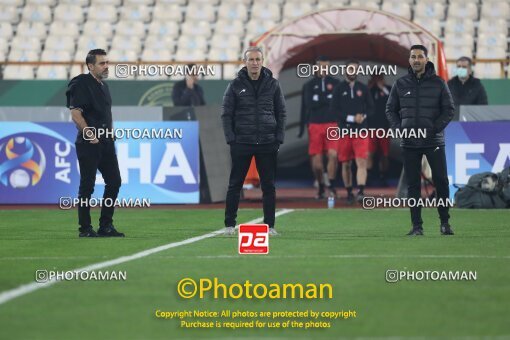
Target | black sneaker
(320,193)
(109,232)
(350,199)
(446,229)
(359,197)
(416,231)
(87,232)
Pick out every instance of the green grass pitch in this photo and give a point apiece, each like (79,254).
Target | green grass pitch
(349,248)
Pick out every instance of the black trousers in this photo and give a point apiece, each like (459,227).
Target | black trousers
(412,168)
(93,157)
(265,158)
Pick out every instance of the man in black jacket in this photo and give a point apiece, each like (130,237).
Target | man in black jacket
(253,121)
(89,100)
(422,100)
(187,92)
(315,112)
(466,89)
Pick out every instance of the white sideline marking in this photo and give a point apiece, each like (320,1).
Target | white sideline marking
(343,256)
(33,286)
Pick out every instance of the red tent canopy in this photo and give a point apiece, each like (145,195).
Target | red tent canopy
(346,33)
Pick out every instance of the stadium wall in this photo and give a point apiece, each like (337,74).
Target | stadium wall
(149,93)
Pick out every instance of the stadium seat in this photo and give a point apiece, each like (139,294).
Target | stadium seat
(221,54)
(325,4)
(202,28)
(62,28)
(135,13)
(233,27)
(103,13)
(269,11)
(118,55)
(243,2)
(31,29)
(139,2)
(56,43)
(130,29)
(124,42)
(189,55)
(9,14)
(200,12)
(189,42)
(466,11)
(87,43)
(82,3)
(220,41)
(493,26)
(459,26)
(3,54)
(431,10)
(486,52)
(76,70)
(495,9)
(167,12)
(18,72)
(160,28)
(458,39)
(98,28)
(492,39)
(106,2)
(12,3)
(232,11)
(71,13)
(366,4)
(36,13)
(4,45)
(26,43)
(51,72)
(430,24)
(55,55)
(488,70)
(398,8)
(22,55)
(49,3)
(457,52)
(258,27)
(177,2)
(6,31)
(463,1)
(156,55)
(162,43)
(293,10)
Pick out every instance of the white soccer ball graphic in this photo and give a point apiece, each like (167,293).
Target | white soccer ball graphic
(19,179)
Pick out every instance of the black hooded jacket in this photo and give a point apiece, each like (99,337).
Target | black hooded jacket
(424,103)
(254,117)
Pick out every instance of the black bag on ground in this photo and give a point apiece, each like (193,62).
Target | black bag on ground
(504,183)
(483,191)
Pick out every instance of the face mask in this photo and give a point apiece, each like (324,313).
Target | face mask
(461,72)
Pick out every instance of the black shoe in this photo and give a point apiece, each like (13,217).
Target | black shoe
(359,197)
(350,199)
(446,229)
(416,231)
(87,232)
(109,232)
(320,193)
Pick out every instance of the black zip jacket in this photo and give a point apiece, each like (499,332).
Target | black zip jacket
(471,92)
(251,117)
(315,101)
(424,103)
(347,102)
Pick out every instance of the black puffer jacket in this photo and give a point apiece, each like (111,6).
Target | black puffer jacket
(254,118)
(424,103)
